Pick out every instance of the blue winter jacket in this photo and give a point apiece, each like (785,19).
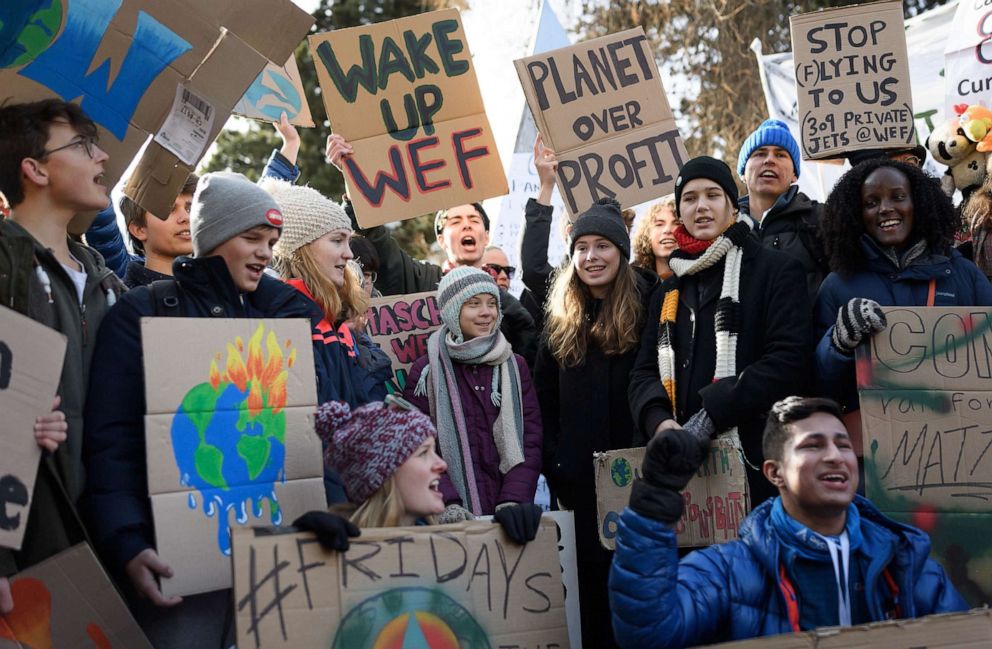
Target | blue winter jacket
(732,591)
(115,503)
(104,235)
(958,283)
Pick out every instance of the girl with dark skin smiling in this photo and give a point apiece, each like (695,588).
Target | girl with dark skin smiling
(888,230)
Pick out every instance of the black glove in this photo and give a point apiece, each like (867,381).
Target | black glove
(332,530)
(670,460)
(857,320)
(519,521)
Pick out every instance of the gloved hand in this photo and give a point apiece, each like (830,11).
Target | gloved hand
(520,521)
(455,514)
(701,426)
(670,460)
(857,320)
(332,530)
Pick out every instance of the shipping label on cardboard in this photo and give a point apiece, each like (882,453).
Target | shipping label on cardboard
(405,96)
(229,437)
(185,130)
(68,602)
(401,325)
(852,76)
(31,357)
(462,585)
(601,106)
(276,90)
(716,499)
(123,61)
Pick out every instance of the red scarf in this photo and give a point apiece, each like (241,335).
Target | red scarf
(690,244)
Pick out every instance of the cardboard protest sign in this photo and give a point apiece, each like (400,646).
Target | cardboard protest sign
(926,411)
(971,630)
(68,602)
(405,95)
(462,585)
(602,108)
(31,358)
(401,325)
(852,76)
(968,57)
(229,437)
(716,499)
(138,68)
(276,90)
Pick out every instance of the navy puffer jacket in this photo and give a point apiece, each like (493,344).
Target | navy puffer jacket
(958,282)
(731,591)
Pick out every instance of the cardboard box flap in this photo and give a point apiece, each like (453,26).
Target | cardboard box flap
(277,89)
(243,18)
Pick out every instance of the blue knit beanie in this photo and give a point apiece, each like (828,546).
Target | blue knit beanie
(772,132)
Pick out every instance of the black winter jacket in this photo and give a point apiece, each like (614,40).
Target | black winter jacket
(791,226)
(773,347)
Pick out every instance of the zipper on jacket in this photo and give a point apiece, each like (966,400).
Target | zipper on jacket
(82,319)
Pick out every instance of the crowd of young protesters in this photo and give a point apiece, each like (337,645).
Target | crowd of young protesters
(703,322)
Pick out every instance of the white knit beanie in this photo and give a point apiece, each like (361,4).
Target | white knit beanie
(307,215)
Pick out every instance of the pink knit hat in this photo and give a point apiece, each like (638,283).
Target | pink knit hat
(366,445)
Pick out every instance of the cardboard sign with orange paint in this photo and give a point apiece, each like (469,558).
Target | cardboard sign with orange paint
(229,437)
(68,602)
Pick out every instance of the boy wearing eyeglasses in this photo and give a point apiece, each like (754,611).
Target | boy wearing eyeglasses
(497,264)
(51,168)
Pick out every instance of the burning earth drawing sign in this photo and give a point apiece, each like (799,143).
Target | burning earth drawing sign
(229,433)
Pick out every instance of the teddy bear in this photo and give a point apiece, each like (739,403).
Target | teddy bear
(966,166)
(976,122)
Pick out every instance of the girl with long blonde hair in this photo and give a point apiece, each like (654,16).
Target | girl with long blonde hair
(594,318)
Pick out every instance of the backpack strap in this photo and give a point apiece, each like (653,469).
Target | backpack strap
(165,295)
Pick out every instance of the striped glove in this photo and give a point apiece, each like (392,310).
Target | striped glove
(857,320)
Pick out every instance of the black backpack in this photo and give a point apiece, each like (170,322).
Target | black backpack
(165,295)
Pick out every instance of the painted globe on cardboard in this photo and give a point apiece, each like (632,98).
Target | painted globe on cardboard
(229,434)
(27,28)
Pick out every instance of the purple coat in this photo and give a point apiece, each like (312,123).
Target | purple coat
(474,387)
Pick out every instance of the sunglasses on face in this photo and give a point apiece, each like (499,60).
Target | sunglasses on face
(85,141)
(495,269)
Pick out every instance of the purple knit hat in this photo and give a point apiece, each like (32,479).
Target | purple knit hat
(366,445)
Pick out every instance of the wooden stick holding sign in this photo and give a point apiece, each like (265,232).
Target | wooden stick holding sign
(716,499)
(852,76)
(601,106)
(405,96)
(441,586)
(31,357)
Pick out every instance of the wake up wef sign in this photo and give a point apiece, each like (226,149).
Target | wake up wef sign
(405,96)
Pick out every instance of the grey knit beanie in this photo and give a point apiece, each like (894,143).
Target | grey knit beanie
(457,288)
(308,215)
(604,218)
(225,205)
